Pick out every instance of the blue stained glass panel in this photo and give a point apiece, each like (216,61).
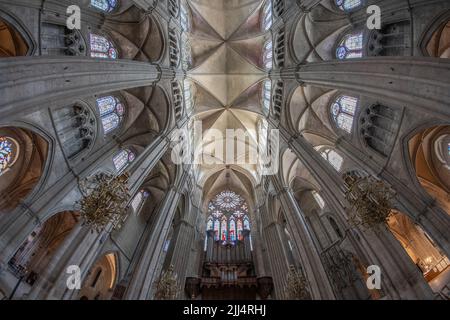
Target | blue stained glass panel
(6,153)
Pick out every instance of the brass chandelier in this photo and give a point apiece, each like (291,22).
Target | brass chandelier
(105,200)
(167,286)
(297,288)
(371,200)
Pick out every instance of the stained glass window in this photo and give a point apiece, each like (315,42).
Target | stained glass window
(228,216)
(139,199)
(266,96)
(333,158)
(227,200)
(104,5)
(318,199)
(209,224)
(102,47)
(8,153)
(123,159)
(111,112)
(267,19)
(348,5)
(343,112)
(232,229)
(350,47)
(268,55)
(240,228)
(216,229)
(224,230)
(246,223)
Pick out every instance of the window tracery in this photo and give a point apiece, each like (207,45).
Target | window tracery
(267,16)
(350,47)
(343,112)
(123,159)
(348,5)
(111,112)
(333,158)
(228,217)
(104,5)
(101,47)
(9,151)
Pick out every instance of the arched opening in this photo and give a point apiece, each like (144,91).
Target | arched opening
(429,152)
(123,159)
(266,96)
(430,260)
(351,46)
(112,112)
(268,54)
(101,47)
(332,156)
(267,16)
(348,5)
(439,44)
(12,44)
(228,217)
(101,279)
(105,5)
(35,253)
(228,260)
(23,154)
(343,110)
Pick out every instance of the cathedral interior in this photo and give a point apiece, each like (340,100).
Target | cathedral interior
(118,182)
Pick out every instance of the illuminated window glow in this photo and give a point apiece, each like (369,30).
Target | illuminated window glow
(343,112)
(268,55)
(347,5)
(319,199)
(8,153)
(123,159)
(228,217)
(104,5)
(102,47)
(350,47)
(111,113)
(333,158)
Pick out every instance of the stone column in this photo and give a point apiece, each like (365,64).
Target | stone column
(146,272)
(79,249)
(178,258)
(278,257)
(308,252)
(258,259)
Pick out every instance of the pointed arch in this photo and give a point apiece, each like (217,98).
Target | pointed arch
(15,39)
